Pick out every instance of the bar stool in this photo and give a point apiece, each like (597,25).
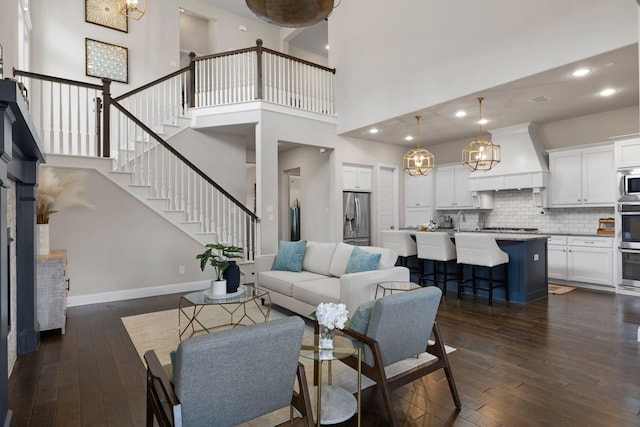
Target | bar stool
(435,246)
(479,249)
(401,242)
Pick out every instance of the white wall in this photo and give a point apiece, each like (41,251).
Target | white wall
(432,51)
(58,41)
(195,35)
(9,35)
(219,155)
(121,244)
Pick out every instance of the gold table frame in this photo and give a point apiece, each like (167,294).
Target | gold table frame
(390,287)
(343,348)
(191,306)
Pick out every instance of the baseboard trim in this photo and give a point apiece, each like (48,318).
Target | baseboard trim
(151,291)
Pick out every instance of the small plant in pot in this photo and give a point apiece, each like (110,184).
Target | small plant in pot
(219,256)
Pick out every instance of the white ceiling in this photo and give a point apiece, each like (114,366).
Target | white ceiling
(504,105)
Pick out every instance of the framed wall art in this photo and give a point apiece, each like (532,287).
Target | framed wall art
(107,60)
(105,13)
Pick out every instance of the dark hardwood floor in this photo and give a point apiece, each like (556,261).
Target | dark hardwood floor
(569,360)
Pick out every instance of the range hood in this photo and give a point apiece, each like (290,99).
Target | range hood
(523,161)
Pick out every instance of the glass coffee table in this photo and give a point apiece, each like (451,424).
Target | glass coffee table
(385,288)
(332,404)
(199,312)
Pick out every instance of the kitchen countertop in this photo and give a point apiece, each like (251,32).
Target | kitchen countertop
(504,235)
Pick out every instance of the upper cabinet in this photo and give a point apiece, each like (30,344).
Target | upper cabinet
(452,188)
(418,191)
(582,177)
(627,153)
(357,178)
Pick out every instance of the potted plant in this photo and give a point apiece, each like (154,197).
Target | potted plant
(219,256)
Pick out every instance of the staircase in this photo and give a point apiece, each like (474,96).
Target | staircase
(130,133)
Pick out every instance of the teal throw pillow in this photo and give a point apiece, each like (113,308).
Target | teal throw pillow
(362,261)
(290,255)
(359,322)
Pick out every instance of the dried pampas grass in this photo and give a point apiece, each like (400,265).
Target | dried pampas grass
(58,192)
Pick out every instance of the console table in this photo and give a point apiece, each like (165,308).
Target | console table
(52,290)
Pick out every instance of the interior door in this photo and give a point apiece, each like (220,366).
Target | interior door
(387,199)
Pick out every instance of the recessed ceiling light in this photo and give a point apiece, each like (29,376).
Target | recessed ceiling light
(483,122)
(373,130)
(327,46)
(607,92)
(580,72)
(408,138)
(461,113)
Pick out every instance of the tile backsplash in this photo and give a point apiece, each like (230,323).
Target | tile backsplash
(514,208)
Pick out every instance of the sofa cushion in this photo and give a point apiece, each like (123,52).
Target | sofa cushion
(282,281)
(314,292)
(290,256)
(388,257)
(340,259)
(361,260)
(317,257)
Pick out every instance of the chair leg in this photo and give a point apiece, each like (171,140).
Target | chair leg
(490,285)
(444,280)
(473,279)
(459,280)
(447,367)
(506,281)
(149,411)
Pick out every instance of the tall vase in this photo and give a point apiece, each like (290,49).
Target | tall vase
(232,275)
(42,235)
(326,338)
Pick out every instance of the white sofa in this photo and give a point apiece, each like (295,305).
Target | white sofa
(324,279)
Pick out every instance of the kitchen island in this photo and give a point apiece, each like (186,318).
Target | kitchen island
(527,267)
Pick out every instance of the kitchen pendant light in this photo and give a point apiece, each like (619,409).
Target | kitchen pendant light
(418,162)
(481,154)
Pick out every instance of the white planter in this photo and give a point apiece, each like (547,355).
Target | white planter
(42,236)
(218,287)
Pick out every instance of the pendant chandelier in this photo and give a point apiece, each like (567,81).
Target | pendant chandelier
(418,161)
(291,13)
(132,9)
(481,154)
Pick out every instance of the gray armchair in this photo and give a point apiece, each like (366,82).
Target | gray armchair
(229,377)
(400,327)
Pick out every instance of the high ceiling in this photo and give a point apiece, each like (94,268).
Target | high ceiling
(559,95)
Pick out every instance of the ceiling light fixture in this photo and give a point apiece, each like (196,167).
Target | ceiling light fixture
(408,138)
(607,92)
(291,13)
(373,130)
(580,72)
(132,9)
(418,162)
(461,113)
(481,154)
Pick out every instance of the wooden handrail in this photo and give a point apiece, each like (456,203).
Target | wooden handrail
(153,83)
(182,158)
(56,79)
(302,61)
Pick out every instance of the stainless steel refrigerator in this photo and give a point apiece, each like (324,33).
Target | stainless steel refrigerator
(356,217)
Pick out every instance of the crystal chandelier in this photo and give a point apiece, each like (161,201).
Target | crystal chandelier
(132,9)
(481,154)
(418,161)
(291,13)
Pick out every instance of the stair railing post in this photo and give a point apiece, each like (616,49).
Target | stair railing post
(98,108)
(259,66)
(106,117)
(192,79)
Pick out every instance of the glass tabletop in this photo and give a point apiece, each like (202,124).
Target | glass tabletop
(244,294)
(343,348)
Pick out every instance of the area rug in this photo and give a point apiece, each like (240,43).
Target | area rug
(559,289)
(158,331)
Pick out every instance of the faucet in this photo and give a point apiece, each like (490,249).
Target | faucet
(460,214)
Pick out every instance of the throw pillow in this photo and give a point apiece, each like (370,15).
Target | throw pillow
(290,256)
(359,322)
(362,261)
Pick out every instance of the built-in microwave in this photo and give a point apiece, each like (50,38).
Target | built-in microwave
(629,185)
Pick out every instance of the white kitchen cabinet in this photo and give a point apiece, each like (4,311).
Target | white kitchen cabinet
(590,260)
(557,257)
(417,216)
(582,177)
(357,178)
(418,191)
(452,188)
(627,153)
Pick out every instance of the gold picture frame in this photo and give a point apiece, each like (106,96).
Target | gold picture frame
(107,60)
(105,13)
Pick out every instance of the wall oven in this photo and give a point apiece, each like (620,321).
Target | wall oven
(630,244)
(629,185)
